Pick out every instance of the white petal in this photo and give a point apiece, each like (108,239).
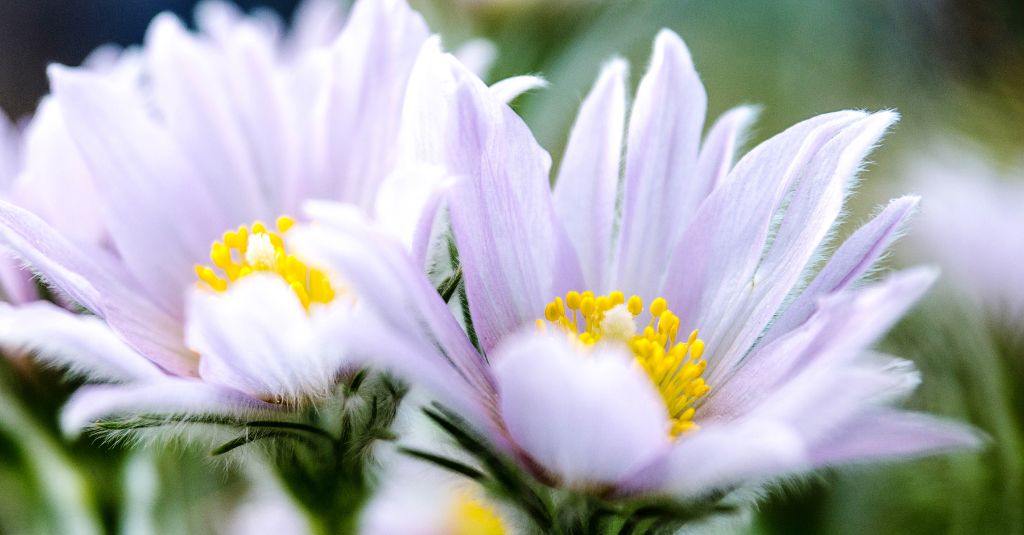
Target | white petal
(589,419)
(660,189)
(843,326)
(513,250)
(257,338)
(145,182)
(857,255)
(358,110)
(588,179)
(166,397)
(509,89)
(83,344)
(718,153)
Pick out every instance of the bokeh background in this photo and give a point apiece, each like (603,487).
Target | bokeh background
(954,69)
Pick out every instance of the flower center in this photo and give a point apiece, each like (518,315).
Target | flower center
(257,249)
(674,367)
(473,517)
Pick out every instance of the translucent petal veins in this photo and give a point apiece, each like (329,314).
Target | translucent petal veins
(674,366)
(257,249)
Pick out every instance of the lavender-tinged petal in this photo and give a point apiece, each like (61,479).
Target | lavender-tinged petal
(100,286)
(888,434)
(360,103)
(17,283)
(556,405)
(720,456)
(588,179)
(718,153)
(85,345)
(145,181)
(315,23)
(10,151)
(841,328)
(166,397)
(477,55)
(855,257)
(224,107)
(719,252)
(811,212)
(385,279)
(660,191)
(511,88)
(59,190)
(514,252)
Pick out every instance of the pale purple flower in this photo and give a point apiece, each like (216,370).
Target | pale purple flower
(224,128)
(778,380)
(972,223)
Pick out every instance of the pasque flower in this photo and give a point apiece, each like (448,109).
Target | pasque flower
(664,334)
(226,134)
(981,253)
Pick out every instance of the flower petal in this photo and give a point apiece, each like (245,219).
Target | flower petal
(510,88)
(811,212)
(165,397)
(661,191)
(98,283)
(556,405)
(144,180)
(257,338)
(712,269)
(855,257)
(224,108)
(59,190)
(83,344)
(588,179)
(392,286)
(885,434)
(842,327)
(718,153)
(359,106)
(513,250)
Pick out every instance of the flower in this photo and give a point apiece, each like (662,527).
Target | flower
(679,350)
(200,305)
(981,253)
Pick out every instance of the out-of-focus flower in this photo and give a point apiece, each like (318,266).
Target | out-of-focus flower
(621,395)
(972,222)
(230,127)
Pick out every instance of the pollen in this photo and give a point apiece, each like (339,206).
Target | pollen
(257,249)
(471,516)
(674,366)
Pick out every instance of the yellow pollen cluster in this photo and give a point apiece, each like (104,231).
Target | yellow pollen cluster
(257,249)
(472,517)
(675,367)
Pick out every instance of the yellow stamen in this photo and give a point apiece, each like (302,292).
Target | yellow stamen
(256,249)
(474,517)
(675,368)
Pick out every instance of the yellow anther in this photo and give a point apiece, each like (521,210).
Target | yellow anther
(284,223)
(588,306)
(635,306)
(552,312)
(259,250)
(675,369)
(220,255)
(697,349)
(658,306)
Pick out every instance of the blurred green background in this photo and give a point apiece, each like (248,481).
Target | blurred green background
(950,67)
